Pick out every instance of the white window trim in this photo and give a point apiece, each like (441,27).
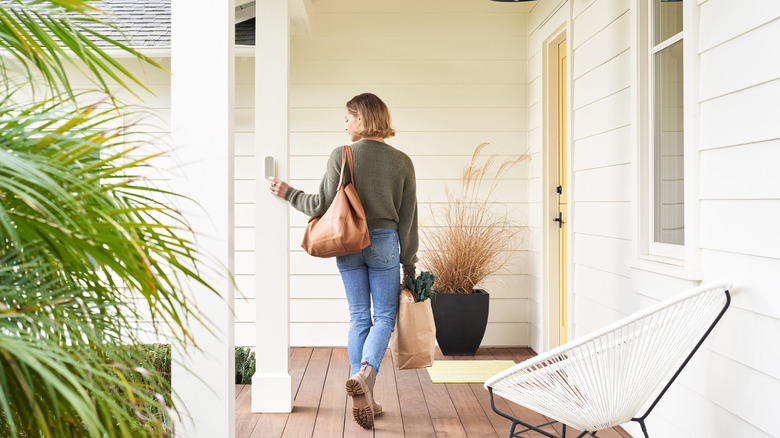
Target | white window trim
(680,261)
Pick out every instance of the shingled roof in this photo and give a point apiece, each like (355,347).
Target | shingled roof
(147,23)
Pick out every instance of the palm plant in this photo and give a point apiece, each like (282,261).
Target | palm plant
(43,37)
(82,237)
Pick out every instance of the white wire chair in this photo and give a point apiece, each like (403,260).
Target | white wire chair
(603,379)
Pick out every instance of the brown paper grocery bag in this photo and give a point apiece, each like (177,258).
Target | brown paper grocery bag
(414,340)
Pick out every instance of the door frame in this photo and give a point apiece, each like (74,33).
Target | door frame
(551,263)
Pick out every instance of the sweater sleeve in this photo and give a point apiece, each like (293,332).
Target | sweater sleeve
(407,222)
(316,204)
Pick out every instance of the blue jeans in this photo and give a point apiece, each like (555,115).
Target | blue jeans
(371,274)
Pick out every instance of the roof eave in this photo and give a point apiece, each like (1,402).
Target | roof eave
(165,51)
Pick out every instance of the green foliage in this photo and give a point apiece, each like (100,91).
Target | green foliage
(245,365)
(44,36)
(158,356)
(88,246)
(422,286)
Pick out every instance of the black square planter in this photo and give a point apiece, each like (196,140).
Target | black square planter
(460,320)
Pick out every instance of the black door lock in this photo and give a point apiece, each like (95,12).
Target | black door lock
(559,219)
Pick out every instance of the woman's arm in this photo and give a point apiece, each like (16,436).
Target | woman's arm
(407,223)
(312,204)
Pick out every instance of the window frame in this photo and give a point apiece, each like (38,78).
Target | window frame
(676,260)
(666,250)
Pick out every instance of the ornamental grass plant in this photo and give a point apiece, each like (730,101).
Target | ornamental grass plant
(470,236)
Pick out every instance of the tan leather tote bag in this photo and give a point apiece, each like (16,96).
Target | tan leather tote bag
(343,228)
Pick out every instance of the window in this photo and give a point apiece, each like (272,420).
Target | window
(667,131)
(667,137)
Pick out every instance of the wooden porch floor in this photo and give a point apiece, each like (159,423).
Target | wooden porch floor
(413,406)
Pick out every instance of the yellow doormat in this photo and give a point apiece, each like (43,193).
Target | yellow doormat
(466,371)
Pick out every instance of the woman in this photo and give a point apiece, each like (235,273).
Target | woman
(385,182)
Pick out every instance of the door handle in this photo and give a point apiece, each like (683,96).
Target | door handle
(559,219)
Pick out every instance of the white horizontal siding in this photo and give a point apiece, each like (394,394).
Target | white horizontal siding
(584,319)
(316,286)
(592,20)
(676,417)
(455,72)
(739,88)
(749,339)
(738,226)
(603,46)
(464,8)
(602,253)
(755,278)
(431,168)
(453,75)
(417,119)
(722,20)
(608,113)
(752,396)
(244,203)
(602,184)
(416,96)
(579,6)
(601,150)
(417,143)
(739,118)
(614,293)
(741,172)
(741,62)
(600,187)
(408,47)
(608,219)
(605,80)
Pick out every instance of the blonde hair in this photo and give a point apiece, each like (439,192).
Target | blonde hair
(374,115)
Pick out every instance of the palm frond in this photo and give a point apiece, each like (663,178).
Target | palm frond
(75,190)
(64,359)
(45,36)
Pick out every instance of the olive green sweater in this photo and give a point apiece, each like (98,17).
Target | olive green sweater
(385,182)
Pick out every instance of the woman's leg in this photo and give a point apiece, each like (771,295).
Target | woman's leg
(384,278)
(354,275)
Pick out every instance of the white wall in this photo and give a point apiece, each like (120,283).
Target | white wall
(738,92)
(731,387)
(453,74)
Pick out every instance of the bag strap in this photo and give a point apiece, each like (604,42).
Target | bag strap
(346,154)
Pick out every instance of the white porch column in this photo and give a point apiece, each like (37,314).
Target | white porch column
(272,382)
(202,95)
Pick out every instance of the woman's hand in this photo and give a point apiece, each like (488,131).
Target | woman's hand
(278,187)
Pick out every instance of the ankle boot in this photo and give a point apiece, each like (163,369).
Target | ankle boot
(360,387)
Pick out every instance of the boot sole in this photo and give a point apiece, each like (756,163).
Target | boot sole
(362,411)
